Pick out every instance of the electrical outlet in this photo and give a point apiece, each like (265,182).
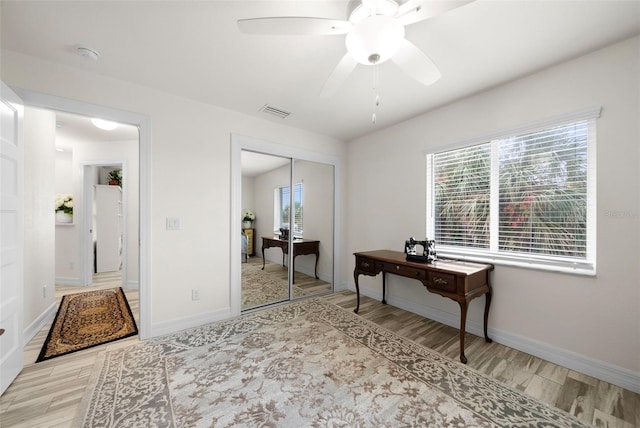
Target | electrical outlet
(72,265)
(44,290)
(195,294)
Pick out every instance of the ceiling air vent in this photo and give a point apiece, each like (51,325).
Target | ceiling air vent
(275,111)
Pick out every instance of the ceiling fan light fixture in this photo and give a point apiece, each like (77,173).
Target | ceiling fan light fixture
(373,7)
(375,39)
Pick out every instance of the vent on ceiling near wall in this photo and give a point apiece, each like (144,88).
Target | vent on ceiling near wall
(275,111)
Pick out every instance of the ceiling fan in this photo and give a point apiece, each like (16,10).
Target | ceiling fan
(374,34)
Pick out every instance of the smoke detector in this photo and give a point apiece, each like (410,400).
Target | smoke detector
(89,53)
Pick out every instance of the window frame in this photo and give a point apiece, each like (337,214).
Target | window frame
(586,266)
(277,208)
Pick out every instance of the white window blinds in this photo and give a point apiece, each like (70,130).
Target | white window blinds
(284,201)
(526,198)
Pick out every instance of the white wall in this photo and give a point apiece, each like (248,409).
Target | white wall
(247,195)
(190,180)
(317,179)
(39,154)
(66,236)
(597,318)
(264,185)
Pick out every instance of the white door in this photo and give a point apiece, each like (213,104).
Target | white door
(11,236)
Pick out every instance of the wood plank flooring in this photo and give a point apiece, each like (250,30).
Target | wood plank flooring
(49,394)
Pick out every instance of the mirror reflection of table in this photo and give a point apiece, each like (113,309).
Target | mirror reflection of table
(301,247)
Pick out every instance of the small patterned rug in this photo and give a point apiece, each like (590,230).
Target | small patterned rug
(88,319)
(305,364)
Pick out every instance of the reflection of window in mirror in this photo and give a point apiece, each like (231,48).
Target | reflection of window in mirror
(281,206)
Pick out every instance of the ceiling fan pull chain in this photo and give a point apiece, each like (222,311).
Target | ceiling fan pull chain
(376,95)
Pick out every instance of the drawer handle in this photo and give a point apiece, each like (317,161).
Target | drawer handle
(397,267)
(365,264)
(439,281)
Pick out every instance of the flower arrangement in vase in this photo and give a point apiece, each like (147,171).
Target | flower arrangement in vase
(64,208)
(247,219)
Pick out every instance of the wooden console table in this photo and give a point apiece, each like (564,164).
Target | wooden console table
(301,247)
(459,281)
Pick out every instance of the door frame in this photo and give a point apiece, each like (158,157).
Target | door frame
(143,122)
(12,243)
(242,142)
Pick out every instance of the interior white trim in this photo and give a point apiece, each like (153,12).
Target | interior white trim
(143,123)
(198,320)
(607,372)
(242,142)
(68,280)
(39,323)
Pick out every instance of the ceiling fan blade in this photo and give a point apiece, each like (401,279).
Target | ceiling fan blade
(419,10)
(416,63)
(294,25)
(339,75)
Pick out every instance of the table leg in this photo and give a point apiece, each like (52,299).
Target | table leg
(487,304)
(263,256)
(384,288)
(317,257)
(355,276)
(463,325)
(293,269)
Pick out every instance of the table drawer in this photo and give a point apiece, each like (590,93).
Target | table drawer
(442,281)
(365,265)
(302,248)
(405,271)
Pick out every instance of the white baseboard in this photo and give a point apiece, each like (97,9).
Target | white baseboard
(167,327)
(309,271)
(61,280)
(38,324)
(602,370)
(132,285)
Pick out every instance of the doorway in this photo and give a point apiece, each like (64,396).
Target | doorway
(140,240)
(104,234)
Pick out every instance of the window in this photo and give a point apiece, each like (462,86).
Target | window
(282,202)
(525,199)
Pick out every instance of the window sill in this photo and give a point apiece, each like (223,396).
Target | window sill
(568,267)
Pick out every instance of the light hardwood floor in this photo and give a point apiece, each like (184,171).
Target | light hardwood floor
(48,394)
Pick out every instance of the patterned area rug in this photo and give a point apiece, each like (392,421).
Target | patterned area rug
(88,319)
(262,287)
(305,364)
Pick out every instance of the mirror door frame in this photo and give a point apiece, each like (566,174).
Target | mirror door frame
(242,142)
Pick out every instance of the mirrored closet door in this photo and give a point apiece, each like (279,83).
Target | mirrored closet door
(287,232)
(312,217)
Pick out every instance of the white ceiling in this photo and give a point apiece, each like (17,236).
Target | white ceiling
(72,129)
(254,164)
(194,49)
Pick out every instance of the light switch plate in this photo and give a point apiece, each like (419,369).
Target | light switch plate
(173,223)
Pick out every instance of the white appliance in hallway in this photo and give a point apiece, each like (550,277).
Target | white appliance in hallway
(108,228)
